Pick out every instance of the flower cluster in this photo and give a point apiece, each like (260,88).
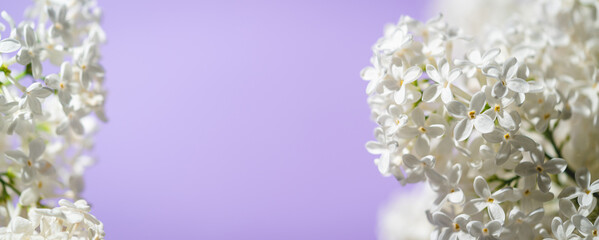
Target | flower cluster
(47,119)
(506,133)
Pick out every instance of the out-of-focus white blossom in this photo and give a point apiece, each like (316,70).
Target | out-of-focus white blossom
(499,128)
(47,119)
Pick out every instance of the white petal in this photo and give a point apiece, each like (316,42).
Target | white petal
(490,54)
(463,129)
(20,225)
(454,75)
(418,116)
(477,103)
(28,197)
(9,45)
(499,90)
(475,206)
(435,130)
(36,148)
(496,136)
(432,72)
(410,161)
(502,155)
(36,68)
(567,208)
(555,166)
(384,164)
(496,212)
(456,197)
(544,182)
(525,169)
(583,224)
(407,132)
(34,105)
(518,85)
(422,146)
(446,94)
(400,95)
(583,178)
(481,187)
(484,123)
(506,121)
(431,93)
(412,74)
(457,109)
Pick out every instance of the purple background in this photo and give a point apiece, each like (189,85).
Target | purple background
(238,119)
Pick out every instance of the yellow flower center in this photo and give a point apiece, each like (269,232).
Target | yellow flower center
(497,108)
(471,114)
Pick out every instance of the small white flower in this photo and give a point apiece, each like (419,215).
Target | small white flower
(488,200)
(423,131)
(541,168)
(443,81)
(489,231)
(30,52)
(32,97)
(509,78)
(585,227)
(470,117)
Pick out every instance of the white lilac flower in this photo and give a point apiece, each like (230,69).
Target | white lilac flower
(510,142)
(62,83)
(393,120)
(562,230)
(508,120)
(46,126)
(32,164)
(529,87)
(488,200)
(488,231)
(32,97)
(585,227)
(541,168)
(585,190)
(443,79)
(30,52)
(470,117)
(475,60)
(421,169)
(567,208)
(400,80)
(8,45)
(531,197)
(422,131)
(521,225)
(508,77)
(452,229)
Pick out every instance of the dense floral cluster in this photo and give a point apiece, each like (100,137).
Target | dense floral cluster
(507,133)
(47,119)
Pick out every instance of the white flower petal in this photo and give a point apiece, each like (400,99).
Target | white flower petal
(496,212)
(484,124)
(8,45)
(463,129)
(457,109)
(481,187)
(412,74)
(418,116)
(422,146)
(555,166)
(432,72)
(525,169)
(435,130)
(518,85)
(431,93)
